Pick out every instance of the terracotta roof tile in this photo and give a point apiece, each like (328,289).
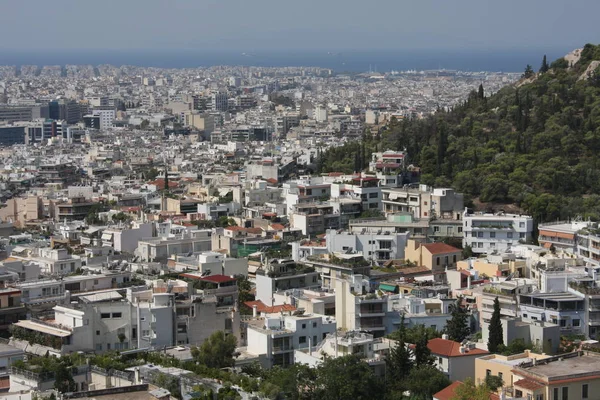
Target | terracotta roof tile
(440,248)
(262,307)
(450,348)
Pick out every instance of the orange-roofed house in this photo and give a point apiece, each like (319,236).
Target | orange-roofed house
(449,392)
(454,359)
(434,256)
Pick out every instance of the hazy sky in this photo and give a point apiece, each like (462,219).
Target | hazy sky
(249,25)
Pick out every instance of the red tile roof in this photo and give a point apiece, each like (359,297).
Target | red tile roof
(440,248)
(262,307)
(217,278)
(450,348)
(160,183)
(272,180)
(449,392)
(277,227)
(527,384)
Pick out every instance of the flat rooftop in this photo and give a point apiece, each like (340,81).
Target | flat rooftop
(588,364)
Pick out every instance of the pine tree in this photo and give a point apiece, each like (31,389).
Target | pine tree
(166,177)
(528,72)
(496,337)
(398,366)
(457,327)
(544,68)
(422,353)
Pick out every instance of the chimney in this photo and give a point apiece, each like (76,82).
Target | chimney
(254,311)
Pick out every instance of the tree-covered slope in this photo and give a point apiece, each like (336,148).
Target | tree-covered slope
(535,144)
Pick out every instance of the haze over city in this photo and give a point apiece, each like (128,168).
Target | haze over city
(315,200)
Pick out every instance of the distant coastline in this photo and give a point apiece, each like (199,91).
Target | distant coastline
(339,61)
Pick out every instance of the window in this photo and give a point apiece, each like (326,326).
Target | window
(436,229)
(105,315)
(373,205)
(373,195)
(522,235)
(584,391)
(460,229)
(454,258)
(303,326)
(474,234)
(563,322)
(314,324)
(576,322)
(107,346)
(521,224)
(437,261)
(302,339)
(500,376)
(97,333)
(488,372)
(99,348)
(117,315)
(565,393)
(539,397)
(524,315)
(480,245)
(425,214)
(492,234)
(509,235)
(314,341)
(555,397)
(95,281)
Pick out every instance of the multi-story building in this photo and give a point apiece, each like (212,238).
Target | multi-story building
(588,246)
(276,337)
(564,309)
(501,366)
(107,117)
(126,239)
(11,308)
(571,376)
(163,248)
(359,308)
(488,233)
(423,230)
(219,101)
(375,248)
(284,275)
(561,235)
(365,188)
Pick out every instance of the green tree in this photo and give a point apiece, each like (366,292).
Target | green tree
(216,351)
(398,365)
(528,72)
(424,381)
(544,67)
(480,92)
(470,391)
(63,378)
(494,382)
(457,326)
(345,378)
(422,354)
(496,336)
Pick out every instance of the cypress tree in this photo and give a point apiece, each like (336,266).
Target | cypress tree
(457,326)
(544,68)
(496,337)
(481,93)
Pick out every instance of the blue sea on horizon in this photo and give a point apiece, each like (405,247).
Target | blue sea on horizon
(339,61)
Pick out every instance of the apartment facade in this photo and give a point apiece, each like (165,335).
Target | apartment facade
(489,233)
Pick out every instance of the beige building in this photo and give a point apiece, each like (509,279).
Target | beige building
(434,256)
(495,265)
(502,366)
(572,376)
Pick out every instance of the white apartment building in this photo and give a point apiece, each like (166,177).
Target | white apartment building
(126,239)
(375,247)
(365,188)
(488,233)
(56,261)
(424,202)
(163,248)
(275,337)
(107,118)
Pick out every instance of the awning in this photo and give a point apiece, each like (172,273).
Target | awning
(388,288)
